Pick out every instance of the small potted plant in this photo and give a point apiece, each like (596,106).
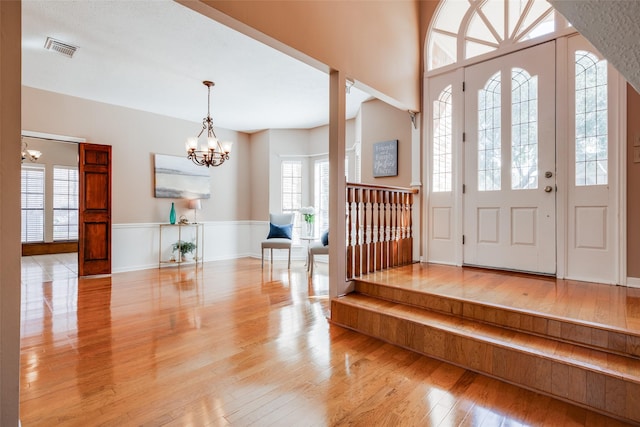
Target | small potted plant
(185,249)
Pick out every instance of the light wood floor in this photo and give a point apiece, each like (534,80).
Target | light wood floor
(617,307)
(232,344)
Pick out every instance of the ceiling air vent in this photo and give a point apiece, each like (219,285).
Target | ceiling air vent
(60,47)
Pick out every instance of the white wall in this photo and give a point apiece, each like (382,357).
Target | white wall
(260,176)
(383,122)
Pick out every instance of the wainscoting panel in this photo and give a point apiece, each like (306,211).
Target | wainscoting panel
(136,246)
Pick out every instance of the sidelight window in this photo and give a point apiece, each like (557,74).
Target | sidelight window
(591,120)
(442,142)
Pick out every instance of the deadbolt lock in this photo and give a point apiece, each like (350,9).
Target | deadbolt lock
(548,174)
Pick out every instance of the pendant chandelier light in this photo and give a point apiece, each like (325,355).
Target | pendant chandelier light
(214,153)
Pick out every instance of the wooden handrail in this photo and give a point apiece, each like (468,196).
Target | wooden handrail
(383,187)
(379,227)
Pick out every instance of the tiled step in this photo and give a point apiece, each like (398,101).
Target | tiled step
(592,335)
(608,383)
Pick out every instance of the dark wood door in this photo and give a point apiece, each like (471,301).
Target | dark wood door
(94,222)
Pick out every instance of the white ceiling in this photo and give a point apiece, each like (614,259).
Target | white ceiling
(153,55)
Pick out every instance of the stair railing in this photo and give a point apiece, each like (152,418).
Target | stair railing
(379,228)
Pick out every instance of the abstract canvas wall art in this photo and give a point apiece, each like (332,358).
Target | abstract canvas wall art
(178,178)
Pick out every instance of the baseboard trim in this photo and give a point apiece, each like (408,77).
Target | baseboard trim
(633,282)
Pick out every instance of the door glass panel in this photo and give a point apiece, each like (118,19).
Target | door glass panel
(489,140)
(442,141)
(591,120)
(524,130)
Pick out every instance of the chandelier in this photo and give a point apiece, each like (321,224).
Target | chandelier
(215,152)
(32,155)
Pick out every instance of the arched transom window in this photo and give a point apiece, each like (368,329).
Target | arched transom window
(463,29)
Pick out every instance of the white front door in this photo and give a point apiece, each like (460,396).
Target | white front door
(510,162)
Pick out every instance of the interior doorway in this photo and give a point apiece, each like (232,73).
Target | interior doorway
(49,194)
(66,200)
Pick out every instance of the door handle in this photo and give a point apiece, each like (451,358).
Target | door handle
(548,189)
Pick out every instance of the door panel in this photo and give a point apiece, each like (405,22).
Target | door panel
(509,201)
(94,245)
(444,107)
(592,244)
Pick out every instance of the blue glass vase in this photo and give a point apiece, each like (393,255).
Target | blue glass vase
(172,214)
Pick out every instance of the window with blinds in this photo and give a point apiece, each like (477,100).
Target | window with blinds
(346,168)
(32,203)
(321,180)
(291,184)
(65,203)
(321,189)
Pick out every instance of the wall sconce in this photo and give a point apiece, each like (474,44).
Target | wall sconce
(349,85)
(32,155)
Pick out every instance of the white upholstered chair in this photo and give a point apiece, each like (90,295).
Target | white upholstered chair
(316,248)
(278,242)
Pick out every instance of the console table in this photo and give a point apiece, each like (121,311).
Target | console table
(189,232)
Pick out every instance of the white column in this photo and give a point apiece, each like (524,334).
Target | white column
(337,182)
(416,173)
